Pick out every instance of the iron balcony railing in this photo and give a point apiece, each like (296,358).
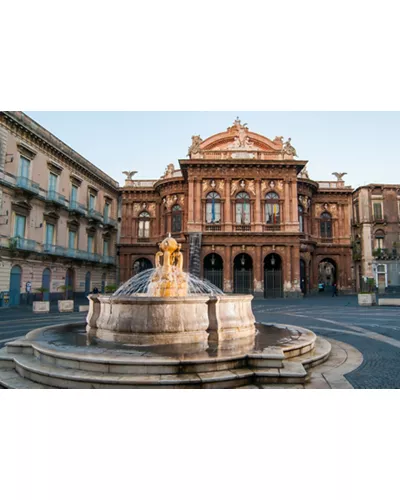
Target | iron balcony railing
(272,227)
(28,185)
(243,228)
(108,221)
(74,206)
(56,198)
(213,228)
(54,249)
(23,244)
(108,259)
(94,214)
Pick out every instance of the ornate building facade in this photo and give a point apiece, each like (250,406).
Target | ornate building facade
(249,218)
(58,216)
(376,235)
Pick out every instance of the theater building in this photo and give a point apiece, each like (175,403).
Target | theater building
(249,218)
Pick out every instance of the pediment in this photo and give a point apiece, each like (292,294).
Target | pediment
(239,142)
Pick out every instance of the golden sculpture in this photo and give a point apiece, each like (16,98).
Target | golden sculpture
(169,280)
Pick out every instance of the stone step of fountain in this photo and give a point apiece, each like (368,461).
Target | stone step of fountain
(318,355)
(32,369)
(292,372)
(10,379)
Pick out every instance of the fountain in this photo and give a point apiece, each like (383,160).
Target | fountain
(163,328)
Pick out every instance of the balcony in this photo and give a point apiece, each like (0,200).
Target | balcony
(28,185)
(108,259)
(243,228)
(95,215)
(213,228)
(271,227)
(108,221)
(54,249)
(22,244)
(57,198)
(74,206)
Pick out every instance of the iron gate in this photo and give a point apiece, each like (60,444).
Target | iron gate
(273,284)
(214,276)
(243,281)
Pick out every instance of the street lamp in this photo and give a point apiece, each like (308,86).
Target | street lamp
(272,260)
(243,260)
(212,260)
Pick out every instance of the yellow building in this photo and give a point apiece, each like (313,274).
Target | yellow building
(58,215)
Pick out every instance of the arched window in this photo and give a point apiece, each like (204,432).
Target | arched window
(242,208)
(213,208)
(176,219)
(301,219)
(272,209)
(144,225)
(379,239)
(326,225)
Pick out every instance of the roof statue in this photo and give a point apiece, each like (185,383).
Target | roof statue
(242,140)
(339,176)
(304,174)
(129,174)
(288,149)
(169,171)
(195,146)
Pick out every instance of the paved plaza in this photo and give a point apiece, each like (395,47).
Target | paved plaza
(374,332)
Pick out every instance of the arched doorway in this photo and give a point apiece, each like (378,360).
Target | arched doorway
(46,277)
(69,283)
(303,277)
(15,286)
(243,273)
(103,283)
(140,265)
(87,283)
(214,269)
(273,283)
(327,274)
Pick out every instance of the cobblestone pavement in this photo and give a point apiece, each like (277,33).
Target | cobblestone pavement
(374,331)
(18,321)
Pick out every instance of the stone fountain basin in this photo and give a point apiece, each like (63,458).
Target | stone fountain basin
(142,320)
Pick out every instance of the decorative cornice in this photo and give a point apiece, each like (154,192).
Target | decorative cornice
(44,138)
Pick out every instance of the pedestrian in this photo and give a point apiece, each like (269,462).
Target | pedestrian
(334,290)
(95,290)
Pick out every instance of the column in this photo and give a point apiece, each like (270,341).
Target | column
(286,207)
(227,206)
(296,269)
(257,210)
(258,273)
(228,270)
(294,202)
(197,207)
(190,202)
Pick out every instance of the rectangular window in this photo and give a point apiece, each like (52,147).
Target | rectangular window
(24,165)
(49,234)
(19,228)
(52,182)
(92,201)
(356,213)
(378,211)
(74,193)
(105,248)
(106,211)
(90,244)
(72,239)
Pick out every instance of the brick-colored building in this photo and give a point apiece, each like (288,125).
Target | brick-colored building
(376,235)
(248,217)
(57,215)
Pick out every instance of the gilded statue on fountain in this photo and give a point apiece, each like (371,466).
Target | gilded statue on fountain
(169,280)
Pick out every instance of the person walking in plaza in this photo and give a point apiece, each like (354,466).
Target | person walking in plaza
(334,290)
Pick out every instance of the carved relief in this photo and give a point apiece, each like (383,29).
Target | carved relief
(205,185)
(234,187)
(194,149)
(251,187)
(221,185)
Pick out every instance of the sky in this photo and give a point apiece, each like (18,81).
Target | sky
(363,144)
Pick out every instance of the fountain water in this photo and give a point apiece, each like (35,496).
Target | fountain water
(165,305)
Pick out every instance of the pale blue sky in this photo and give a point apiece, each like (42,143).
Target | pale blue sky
(363,144)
